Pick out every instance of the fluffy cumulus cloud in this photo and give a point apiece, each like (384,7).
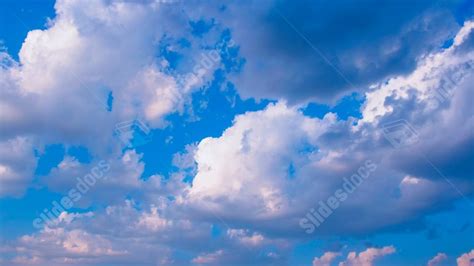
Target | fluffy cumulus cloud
(114,178)
(277,163)
(248,195)
(91,68)
(326,259)
(366,257)
(433,98)
(237,166)
(466,259)
(245,238)
(70,242)
(134,233)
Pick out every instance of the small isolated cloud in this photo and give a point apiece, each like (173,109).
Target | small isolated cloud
(436,260)
(367,257)
(325,259)
(209,258)
(466,259)
(245,237)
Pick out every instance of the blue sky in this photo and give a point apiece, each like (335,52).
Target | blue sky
(192,133)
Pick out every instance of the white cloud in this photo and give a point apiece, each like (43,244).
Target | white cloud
(124,176)
(248,166)
(57,91)
(152,221)
(435,101)
(244,237)
(325,259)
(67,217)
(434,72)
(436,260)
(119,234)
(208,258)
(17,164)
(466,259)
(410,180)
(367,257)
(276,164)
(70,243)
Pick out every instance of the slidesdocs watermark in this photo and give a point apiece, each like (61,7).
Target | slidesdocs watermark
(317,215)
(449,82)
(206,63)
(49,216)
(133,133)
(400,133)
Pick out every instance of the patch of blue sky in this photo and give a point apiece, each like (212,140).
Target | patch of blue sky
(214,110)
(81,153)
(211,110)
(201,26)
(110,101)
(17,215)
(173,57)
(464,11)
(17,18)
(216,230)
(52,155)
(347,106)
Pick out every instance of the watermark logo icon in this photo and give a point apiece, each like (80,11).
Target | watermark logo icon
(133,133)
(400,133)
(317,215)
(443,93)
